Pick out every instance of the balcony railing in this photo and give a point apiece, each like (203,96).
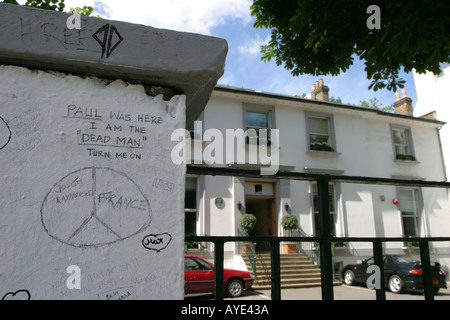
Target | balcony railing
(324,239)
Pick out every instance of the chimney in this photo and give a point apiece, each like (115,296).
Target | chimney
(319,91)
(403,106)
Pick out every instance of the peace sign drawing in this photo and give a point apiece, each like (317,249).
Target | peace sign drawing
(95,206)
(5,133)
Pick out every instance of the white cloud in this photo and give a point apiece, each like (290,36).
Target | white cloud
(198,16)
(253,46)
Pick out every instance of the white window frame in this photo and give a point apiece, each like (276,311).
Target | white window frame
(259,109)
(331,131)
(409,141)
(196,209)
(333,214)
(418,205)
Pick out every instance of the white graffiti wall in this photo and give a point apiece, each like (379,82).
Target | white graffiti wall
(91,205)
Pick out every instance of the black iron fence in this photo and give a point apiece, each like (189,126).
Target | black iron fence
(325,239)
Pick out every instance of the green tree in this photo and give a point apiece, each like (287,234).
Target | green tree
(56,5)
(333,99)
(376,104)
(323,37)
(85,11)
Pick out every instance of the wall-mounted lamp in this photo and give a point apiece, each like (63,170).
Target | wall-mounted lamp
(395,201)
(287,207)
(239,206)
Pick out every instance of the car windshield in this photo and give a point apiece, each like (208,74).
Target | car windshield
(405,259)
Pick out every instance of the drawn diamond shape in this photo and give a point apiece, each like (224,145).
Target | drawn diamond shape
(106,40)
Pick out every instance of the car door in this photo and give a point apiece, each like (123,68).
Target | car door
(198,275)
(360,270)
(390,267)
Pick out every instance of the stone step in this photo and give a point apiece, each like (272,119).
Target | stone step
(282,256)
(291,281)
(293,285)
(294,275)
(296,271)
(286,271)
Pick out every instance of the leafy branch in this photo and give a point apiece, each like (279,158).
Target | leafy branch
(55,5)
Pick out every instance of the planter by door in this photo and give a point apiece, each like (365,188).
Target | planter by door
(246,248)
(289,247)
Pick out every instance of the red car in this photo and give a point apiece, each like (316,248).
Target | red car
(199,277)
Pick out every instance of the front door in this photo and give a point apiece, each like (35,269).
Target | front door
(260,201)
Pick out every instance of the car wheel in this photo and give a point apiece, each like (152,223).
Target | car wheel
(349,277)
(396,284)
(234,288)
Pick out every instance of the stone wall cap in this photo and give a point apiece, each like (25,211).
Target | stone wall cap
(189,63)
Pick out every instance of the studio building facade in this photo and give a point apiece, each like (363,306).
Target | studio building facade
(433,101)
(319,136)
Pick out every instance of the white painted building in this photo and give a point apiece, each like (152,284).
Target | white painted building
(362,142)
(433,100)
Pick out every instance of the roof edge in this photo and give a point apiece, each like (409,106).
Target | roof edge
(236,90)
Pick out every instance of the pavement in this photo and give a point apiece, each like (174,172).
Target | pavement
(341,292)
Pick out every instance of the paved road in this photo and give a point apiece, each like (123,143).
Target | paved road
(342,292)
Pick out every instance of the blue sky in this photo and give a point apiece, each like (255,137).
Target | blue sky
(231,20)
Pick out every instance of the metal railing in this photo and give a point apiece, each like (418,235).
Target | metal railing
(251,256)
(309,248)
(324,239)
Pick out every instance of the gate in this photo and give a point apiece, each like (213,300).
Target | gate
(325,239)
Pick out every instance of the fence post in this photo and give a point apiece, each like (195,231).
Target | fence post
(426,270)
(378,257)
(218,272)
(326,259)
(275,270)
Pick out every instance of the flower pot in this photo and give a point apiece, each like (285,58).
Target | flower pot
(289,247)
(245,248)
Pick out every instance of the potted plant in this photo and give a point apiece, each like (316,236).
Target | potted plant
(404,156)
(321,144)
(193,247)
(247,223)
(289,222)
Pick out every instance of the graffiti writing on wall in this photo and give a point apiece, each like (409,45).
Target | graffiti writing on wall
(95,206)
(107,36)
(125,293)
(157,242)
(5,133)
(115,135)
(22,294)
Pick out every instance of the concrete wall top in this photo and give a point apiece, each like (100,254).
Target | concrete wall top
(188,63)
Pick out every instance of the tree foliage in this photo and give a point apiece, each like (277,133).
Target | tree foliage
(376,104)
(323,37)
(85,11)
(55,5)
